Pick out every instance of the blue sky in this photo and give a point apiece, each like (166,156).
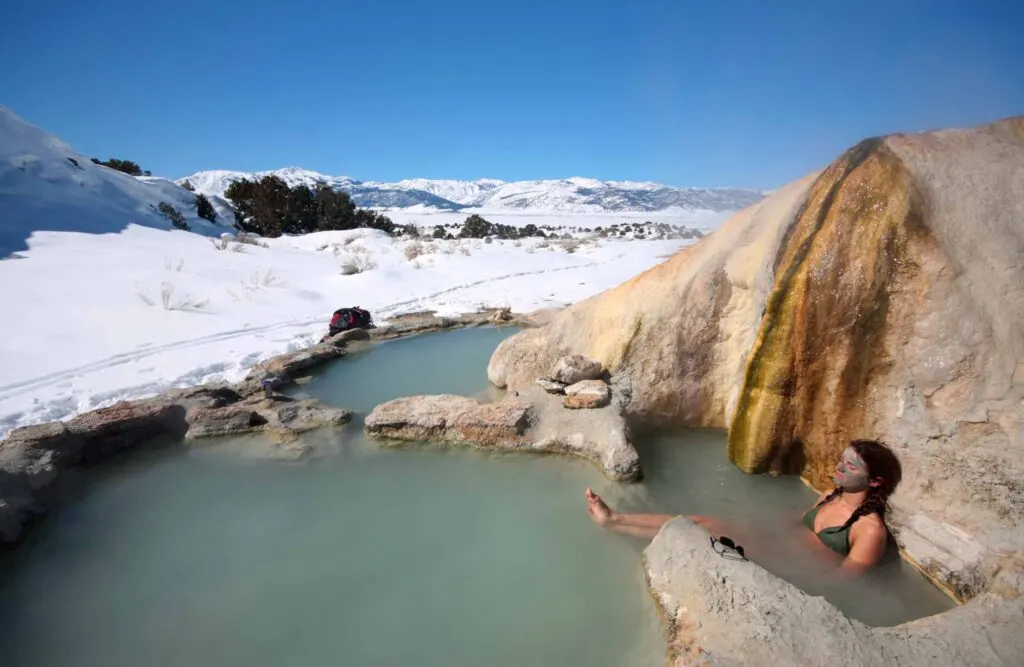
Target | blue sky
(681,92)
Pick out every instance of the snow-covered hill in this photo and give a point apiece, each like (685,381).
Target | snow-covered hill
(572,195)
(45,185)
(103,300)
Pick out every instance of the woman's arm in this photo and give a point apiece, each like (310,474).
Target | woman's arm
(867,545)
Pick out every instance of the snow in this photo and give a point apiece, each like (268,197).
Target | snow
(552,196)
(88,327)
(467,193)
(427,218)
(42,187)
(216,181)
(103,300)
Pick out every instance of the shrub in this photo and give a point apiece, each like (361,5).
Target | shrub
(125,166)
(188,186)
(358,261)
(224,243)
(237,242)
(270,207)
(257,282)
(174,215)
(204,209)
(475,227)
(170,302)
(413,250)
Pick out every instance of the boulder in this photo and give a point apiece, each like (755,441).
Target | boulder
(500,315)
(878,298)
(733,612)
(413,323)
(290,364)
(48,444)
(95,435)
(534,421)
(280,414)
(575,368)
(451,419)
(551,386)
(305,414)
(587,394)
(228,420)
(349,335)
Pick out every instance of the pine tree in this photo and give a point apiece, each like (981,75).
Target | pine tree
(204,209)
(126,166)
(476,227)
(174,215)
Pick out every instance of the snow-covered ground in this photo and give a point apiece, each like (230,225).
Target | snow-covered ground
(102,299)
(95,318)
(702,220)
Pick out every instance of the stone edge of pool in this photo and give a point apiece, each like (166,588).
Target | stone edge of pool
(530,420)
(717,611)
(732,612)
(33,457)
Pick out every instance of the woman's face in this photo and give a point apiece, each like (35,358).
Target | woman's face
(852,472)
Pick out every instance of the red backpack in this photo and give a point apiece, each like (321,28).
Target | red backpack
(350,318)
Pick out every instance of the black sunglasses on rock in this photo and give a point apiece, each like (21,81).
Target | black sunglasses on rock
(729,550)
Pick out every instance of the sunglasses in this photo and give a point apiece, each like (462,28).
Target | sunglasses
(729,549)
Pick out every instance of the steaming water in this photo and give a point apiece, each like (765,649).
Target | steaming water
(363,556)
(689,473)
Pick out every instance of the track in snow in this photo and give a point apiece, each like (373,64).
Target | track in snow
(390,310)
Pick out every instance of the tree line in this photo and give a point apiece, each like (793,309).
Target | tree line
(127,166)
(476,227)
(269,207)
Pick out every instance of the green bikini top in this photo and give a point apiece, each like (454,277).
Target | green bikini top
(836,538)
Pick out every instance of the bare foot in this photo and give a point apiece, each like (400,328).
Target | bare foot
(601,513)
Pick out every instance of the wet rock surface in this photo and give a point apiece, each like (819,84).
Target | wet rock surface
(533,421)
(452,419)
(733,612)
(587,395)
(575,368)
(551,386)
(349,336)
(878,298)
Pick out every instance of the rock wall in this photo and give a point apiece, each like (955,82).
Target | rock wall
(880,298)
(731,612)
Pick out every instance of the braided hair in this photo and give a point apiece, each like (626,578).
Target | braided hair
(884,468)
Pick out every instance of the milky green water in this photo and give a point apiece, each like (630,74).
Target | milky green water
(366,556)
(361,556)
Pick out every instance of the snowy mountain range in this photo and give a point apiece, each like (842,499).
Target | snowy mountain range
(571,195)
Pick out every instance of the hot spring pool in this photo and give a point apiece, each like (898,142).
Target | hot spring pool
(368,556)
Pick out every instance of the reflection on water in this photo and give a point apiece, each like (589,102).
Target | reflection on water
(689,473)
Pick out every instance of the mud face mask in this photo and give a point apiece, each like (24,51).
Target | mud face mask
(851,473)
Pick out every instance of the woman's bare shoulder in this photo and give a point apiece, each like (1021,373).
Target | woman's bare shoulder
(869,525)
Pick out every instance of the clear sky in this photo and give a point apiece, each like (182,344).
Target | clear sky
(681,92)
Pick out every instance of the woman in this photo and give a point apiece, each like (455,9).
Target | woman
(849,520)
